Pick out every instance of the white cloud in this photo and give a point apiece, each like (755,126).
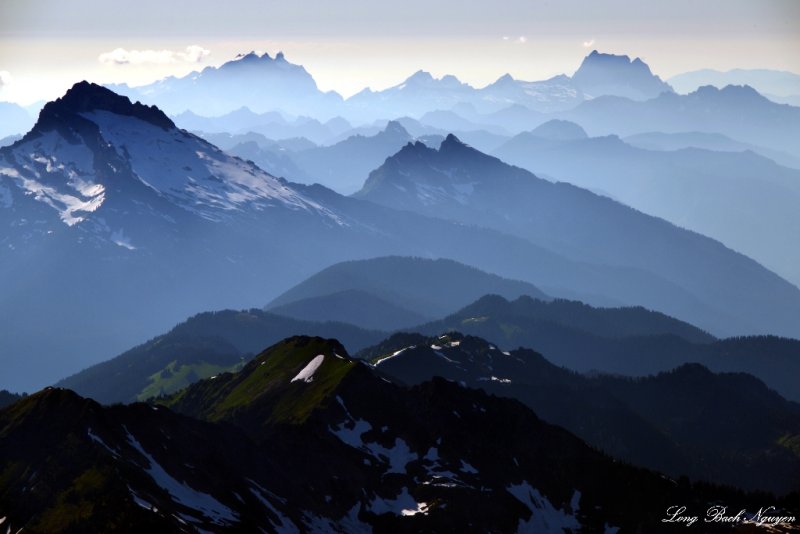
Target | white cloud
(588,44)
(522,39)
(5,78)
(121,56)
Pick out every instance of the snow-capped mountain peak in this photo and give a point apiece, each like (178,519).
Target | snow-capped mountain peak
(91,145)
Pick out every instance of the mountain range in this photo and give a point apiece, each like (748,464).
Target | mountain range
(708,141)
(257,81)
(567,305)
(459,183)
(202,346)
(266,84)
(660,182)
(662,422)
(739,112)
(779,86)
(419,288)
(144,224)
(621,341)
(303,438)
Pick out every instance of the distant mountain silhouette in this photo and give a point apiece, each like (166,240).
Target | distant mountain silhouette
(609,74)
(417,94)
(345,165)
(108,204)
(736,111)
(692,188)
(10,140)
(779,86)
(683,422)
(274,159)
(203,345)
(559,130)
(421,287)
(628,341)
(456,182)
(421,93)
(14,119)
(351,306)
(708,141)
(260,82)
(554,94)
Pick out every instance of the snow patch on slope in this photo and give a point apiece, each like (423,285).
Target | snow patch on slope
(46,162)
(284,524)
(194,174)
(307,374)
(203,503)
(398,457)
(94,437)
(393,355)
(351,436)
(119,239)
(544,516)
(404,504)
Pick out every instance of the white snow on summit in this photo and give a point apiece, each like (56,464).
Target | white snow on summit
(193,173)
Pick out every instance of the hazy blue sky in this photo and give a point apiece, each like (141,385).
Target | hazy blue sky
(45,45)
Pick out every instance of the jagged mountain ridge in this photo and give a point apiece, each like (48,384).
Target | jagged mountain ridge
(318,442)
(628,342)
(608,74)
(263,83)
(459,183)
(203,345)
(662,422)
(763,194)
(253,80)
(739,112)
(144,225)
(429,288)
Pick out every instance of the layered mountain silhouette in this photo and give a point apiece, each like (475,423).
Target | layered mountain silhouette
(683,422)
(739,112)
(257,81)
(344,166)
(264,84)
(624,341)
(145,224)
(203,345)
(692,188)
(419,93)
(303,437)
(608,74)
(421,288)
(457,182)
(14,119)
(709,141)
(779,86)
(270,124)
(112,207)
